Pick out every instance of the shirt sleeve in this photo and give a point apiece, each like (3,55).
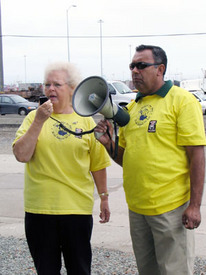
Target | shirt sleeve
(24,126)
(190,124)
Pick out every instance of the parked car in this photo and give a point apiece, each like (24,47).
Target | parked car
(121,93)
(15,104)
(202,99)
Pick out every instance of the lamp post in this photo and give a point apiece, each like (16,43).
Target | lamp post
(67,16)
(130,54)
(25,68)
(100,23)
(1,58)
(130,58)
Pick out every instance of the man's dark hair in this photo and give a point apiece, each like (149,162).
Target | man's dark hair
(158,53)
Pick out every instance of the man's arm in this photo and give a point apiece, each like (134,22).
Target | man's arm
(191,217)
(103,127)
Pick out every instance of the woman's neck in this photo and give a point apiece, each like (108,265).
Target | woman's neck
(67,110)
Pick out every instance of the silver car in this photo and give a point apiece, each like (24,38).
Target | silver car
(121,93)
(15,104)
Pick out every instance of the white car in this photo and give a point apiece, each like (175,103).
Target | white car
(121,93)
(202,99)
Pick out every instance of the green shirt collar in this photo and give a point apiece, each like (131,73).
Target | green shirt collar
(161,92)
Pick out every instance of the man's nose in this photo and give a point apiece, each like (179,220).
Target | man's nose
(135,70)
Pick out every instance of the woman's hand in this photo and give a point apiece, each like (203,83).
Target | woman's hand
(44,111)
(104,210)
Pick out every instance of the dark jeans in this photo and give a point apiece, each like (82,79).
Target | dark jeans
(50,235)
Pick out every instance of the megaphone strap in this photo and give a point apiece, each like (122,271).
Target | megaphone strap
(116,140)
(114,152)
(70,131)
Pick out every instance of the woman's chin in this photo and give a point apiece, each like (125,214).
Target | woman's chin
(54,100)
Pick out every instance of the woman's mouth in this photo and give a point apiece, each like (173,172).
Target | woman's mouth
(52,97)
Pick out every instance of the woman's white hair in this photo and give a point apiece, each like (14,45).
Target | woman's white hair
(73,74)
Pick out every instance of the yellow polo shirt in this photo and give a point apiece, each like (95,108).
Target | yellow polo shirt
(58,178)
(155,164)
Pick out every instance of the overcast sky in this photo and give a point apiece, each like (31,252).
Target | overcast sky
(34,34)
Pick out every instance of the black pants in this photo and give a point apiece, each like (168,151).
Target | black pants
(49,236)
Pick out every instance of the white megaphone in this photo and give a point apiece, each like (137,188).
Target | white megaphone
(91,96)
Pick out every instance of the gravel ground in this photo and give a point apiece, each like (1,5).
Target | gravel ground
(15,258)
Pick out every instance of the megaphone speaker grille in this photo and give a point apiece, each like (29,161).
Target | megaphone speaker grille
(90,96)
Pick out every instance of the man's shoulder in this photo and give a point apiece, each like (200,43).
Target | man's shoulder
(180,92)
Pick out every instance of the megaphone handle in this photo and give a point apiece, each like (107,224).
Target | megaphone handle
(116,141)
(113,152)
(98,135)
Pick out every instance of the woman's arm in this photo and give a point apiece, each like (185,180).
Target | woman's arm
(25,146)
(100,179)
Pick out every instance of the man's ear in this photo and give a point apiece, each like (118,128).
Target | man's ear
(161,69)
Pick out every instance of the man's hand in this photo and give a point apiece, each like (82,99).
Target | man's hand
(104,132)
(191,217)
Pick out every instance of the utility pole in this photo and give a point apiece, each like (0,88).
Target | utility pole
(25,68)
(1,57)
(67,16)
(100,22)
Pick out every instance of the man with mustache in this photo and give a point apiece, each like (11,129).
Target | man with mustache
(161,151)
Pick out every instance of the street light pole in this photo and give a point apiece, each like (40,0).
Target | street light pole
(100,22)
(67,16)
(130,58)
(1,58)
(130,54)
(25,68)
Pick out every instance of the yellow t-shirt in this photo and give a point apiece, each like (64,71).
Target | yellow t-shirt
(58,178)
(155,164)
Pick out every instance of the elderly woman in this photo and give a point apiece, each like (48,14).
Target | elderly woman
(60,172)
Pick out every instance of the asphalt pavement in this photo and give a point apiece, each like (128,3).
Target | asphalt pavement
(113,235)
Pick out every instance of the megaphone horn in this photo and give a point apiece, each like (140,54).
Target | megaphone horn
(91,96)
